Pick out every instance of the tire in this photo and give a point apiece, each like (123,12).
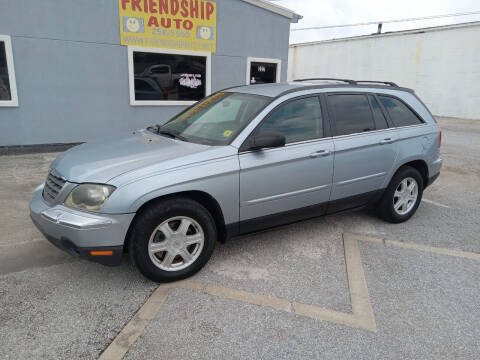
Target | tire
(155,240)
(406,207)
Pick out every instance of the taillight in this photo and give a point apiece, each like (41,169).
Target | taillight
(439,136)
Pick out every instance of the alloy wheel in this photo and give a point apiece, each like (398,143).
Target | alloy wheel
(176,243)
(405,196)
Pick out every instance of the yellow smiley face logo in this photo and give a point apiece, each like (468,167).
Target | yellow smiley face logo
(227,133)
(205,33)
(133,25)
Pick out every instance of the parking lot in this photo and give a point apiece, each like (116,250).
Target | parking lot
(342,286)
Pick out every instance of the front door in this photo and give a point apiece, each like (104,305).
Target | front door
(286,184)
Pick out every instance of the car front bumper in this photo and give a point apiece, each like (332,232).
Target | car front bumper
(97,237)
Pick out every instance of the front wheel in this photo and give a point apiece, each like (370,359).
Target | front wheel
(172,239)
(402,196)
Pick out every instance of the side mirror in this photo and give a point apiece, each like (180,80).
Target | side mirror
(267,139)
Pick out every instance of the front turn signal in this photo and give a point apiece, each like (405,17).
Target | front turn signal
(101,252)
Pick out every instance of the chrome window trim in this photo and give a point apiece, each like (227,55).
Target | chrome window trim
(381,130)
(363,133)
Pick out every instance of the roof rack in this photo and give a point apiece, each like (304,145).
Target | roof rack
(377,82)
(351,82)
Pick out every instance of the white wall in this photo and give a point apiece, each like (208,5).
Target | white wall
(442,65)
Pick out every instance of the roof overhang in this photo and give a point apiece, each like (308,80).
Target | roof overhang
(277,9)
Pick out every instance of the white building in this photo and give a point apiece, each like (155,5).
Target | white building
(442,64)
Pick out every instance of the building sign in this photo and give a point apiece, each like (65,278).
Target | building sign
(174,24)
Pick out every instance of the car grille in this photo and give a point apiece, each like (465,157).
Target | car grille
(53,185)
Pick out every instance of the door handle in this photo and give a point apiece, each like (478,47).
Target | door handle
(386,141)
(320,153)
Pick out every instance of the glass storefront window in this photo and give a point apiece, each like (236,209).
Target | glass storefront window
(4,81)
(263,71)
(167,77)
(8,90)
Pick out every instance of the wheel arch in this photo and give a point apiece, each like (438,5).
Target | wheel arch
(418,164)
(203,198)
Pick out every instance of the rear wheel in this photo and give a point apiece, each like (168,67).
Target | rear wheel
(172,239)
(402,196)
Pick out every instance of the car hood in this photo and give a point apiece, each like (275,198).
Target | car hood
(101,161)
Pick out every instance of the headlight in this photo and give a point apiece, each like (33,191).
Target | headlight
(90,197)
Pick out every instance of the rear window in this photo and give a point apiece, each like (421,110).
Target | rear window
(400,114)
(352,113)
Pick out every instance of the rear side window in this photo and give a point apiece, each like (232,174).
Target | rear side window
(298,120)
(400,114)
(378,117)
(352,113)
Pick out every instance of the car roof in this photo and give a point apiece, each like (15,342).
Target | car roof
(278,89)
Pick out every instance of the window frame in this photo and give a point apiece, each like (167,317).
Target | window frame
(131,75)
(13,102)
(327,134)
(278,62)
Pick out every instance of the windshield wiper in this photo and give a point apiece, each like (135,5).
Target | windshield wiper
(171,134)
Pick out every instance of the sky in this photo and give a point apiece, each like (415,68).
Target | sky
(336,12)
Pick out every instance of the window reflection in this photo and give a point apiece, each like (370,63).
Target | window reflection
(169,77)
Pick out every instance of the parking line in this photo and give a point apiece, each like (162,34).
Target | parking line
(362,316)
(435,203)
(359,297)
(135,327)
(432,249)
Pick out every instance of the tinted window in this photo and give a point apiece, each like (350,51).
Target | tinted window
(400,114)
(4,82)
(378,117)
(298,120)
(179,77)
(352,113)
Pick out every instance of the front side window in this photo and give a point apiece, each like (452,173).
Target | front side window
(169,77)
(298,120)
(8,94)
(400,114)
(352,113)
(216,120)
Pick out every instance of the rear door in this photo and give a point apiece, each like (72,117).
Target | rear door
(292,181)
(365,148)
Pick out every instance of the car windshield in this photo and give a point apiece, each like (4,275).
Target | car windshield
(215,120)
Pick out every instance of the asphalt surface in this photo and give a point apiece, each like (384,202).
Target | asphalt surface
(425,304)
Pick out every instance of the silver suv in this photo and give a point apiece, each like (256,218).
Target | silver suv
(242,160)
